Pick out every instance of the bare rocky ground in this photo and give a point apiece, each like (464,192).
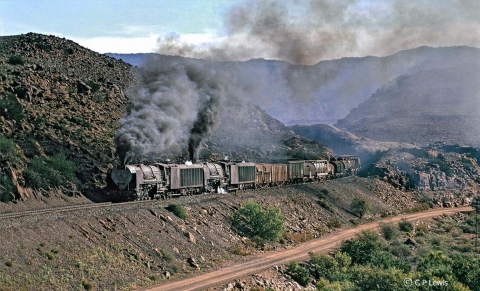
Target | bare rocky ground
(126,246)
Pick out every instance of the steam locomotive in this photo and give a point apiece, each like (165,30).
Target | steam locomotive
(162,180)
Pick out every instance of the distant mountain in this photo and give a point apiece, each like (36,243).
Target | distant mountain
(441,104)
(132,59)
(329,90)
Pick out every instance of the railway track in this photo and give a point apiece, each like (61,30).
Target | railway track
(108,204)
(53,210)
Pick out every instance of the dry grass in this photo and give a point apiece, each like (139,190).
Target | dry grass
(239,251)
(419,207)
(334,223)
(299,237)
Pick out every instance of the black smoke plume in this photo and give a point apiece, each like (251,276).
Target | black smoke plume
(170,101)
(207,118)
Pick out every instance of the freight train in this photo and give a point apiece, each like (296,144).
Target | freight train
(162,180)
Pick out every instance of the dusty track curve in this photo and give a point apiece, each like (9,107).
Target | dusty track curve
(265,261)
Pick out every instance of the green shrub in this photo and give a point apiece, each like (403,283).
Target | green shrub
(8,151)
(48,172)
(260,225)
(303,155)
(168,257)
(298,273)
(385,260)
(405,226)
(399,249)
(334,223)
(7,189)
(49,255)
(323,265)
(325,285)
(465,268)
(16,60)
(435,263)
(363,247)
(442,164)
(325,204)
(368,278)
(389,231)
(80,121)
(467,228)
(360,207)
(323,193)
(11,109)
(178,210)
(93,85)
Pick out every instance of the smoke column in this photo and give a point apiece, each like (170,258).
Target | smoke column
(167,101)
(207,118)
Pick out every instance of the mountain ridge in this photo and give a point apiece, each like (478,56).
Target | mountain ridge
(426,107)
(329,90)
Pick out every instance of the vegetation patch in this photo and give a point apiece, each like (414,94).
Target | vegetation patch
(389,231)
(11,108)
(178,210)
(298,237)
(239,251)
(16,60)
(405,226)
(334,223)
(298,273)
(259,224)
(50,172)
(360,207)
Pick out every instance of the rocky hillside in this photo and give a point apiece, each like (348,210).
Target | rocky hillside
(447,174)
(58,97)
(426,107)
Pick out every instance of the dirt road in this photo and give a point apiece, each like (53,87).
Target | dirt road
(299,253)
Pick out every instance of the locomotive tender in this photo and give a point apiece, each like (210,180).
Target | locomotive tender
(160,180)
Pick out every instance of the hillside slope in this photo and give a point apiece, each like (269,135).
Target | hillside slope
(346,143)
(58,96)
(429,106)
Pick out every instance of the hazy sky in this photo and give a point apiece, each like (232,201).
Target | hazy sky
(113,26)
(299,31)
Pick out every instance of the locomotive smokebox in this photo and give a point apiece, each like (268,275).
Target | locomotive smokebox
(121,177)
